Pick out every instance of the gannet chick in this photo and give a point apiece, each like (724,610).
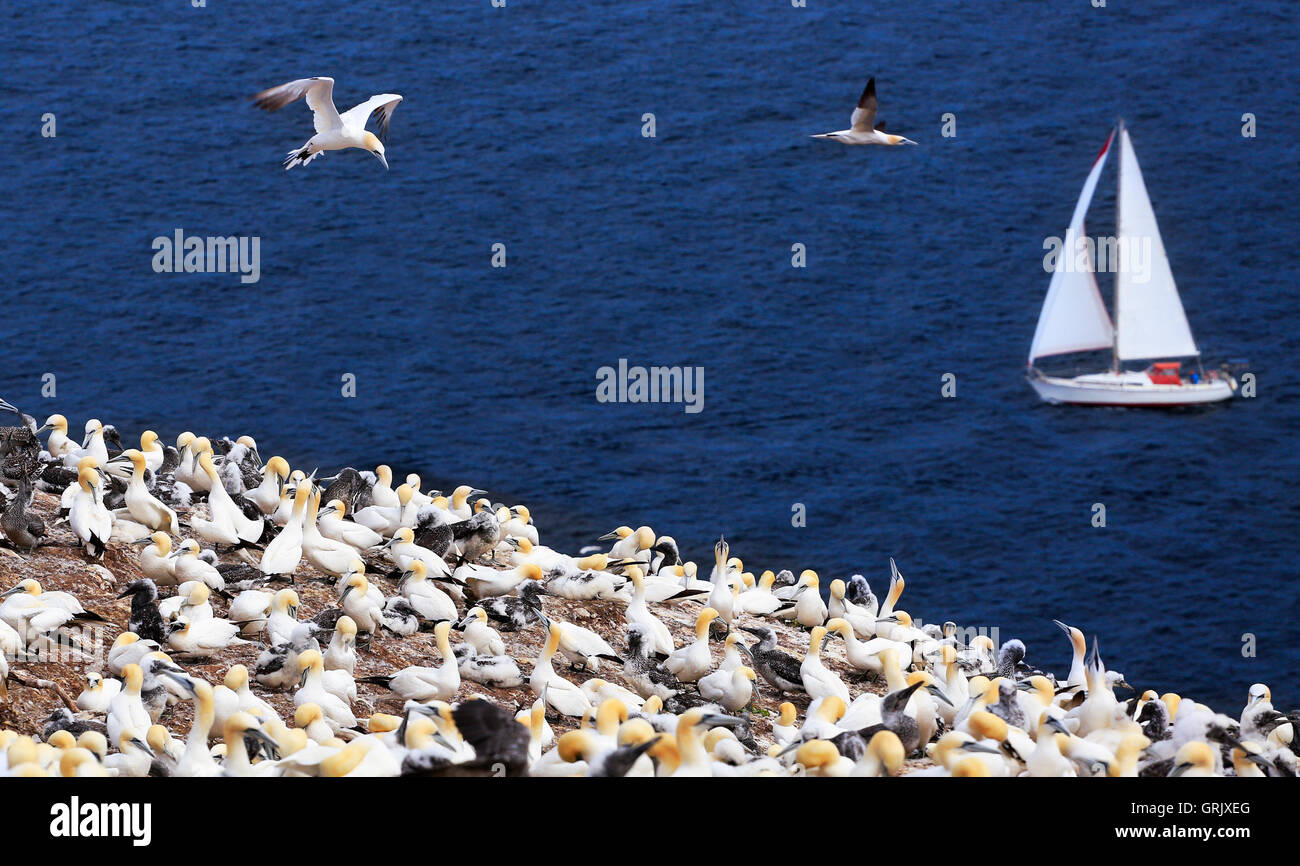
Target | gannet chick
(278,666)
(647,676)
(497,672)
(144,620)
(334,131)
(25,529)
(781,670)
(863,128)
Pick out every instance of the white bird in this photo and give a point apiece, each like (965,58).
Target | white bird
(187,566)
(341,654)
(89,519)
(337,712)
(98,693)
(659,639)
(428,601)
(190,600)
(284,552)
(423,684)
(818,680)
(266,496)
(334,131)
(730,690)
(126,710)
(693,661)
(156,562)
(863,128)
(251,609)
(284,616)
(143,506)
(483,637)
(203,638)
(332,525)
(559,694)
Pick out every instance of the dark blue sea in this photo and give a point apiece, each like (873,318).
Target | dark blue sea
(522,126)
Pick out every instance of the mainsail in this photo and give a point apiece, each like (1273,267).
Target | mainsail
(1149,317)
(1074,318)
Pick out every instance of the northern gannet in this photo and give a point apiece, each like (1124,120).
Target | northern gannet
(559,694)
(693,661)
(732,690)
(480,635)
(89,519)
(142,505)
(334,131)
(341,654)
(863,128)
(417,683)
(202,639)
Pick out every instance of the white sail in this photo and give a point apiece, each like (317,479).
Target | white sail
(1074,318)
(1149,317)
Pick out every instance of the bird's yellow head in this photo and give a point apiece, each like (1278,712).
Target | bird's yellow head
(375,146)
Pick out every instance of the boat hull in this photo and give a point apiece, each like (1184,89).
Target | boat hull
(1128,390)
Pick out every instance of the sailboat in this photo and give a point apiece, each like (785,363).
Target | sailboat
(1150,325)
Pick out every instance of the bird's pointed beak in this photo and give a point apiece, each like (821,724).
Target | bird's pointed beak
(382,159)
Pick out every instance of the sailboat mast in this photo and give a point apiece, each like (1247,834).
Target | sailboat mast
(1119,215)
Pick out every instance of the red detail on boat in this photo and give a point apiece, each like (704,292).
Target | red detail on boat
(1105,147)
(1165,373)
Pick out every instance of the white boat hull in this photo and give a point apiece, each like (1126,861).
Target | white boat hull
(1127,389)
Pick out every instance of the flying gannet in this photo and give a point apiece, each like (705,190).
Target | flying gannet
(334,131)
(863,128)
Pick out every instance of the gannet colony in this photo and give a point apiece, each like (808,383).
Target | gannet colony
(195,610)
